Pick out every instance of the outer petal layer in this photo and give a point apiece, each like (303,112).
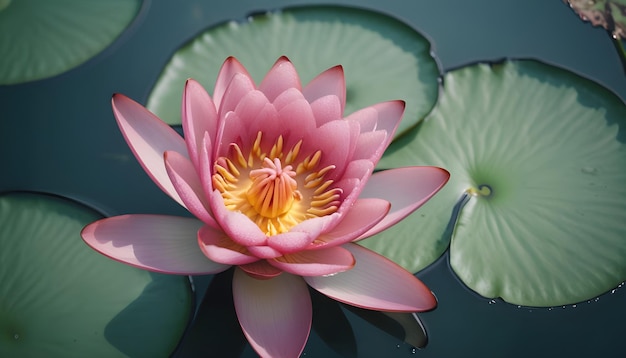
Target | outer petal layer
(275,314)
(219,248)
(152,242)
(321,262)
(199,116)
(363,214)
(405,188)
(188,186)
(148,137)
(329,82)
(375,283)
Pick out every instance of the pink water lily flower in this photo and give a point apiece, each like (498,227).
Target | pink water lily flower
(281,186)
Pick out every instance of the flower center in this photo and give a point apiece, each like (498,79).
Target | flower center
(276,189)
(273,188)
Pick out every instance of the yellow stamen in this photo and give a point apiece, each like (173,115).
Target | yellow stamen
(266,187)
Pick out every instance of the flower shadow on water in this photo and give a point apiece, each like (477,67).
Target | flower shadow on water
(136,328)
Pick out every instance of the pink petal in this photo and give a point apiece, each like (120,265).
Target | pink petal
(286,97)
(260,270)
(388,116)
(326,109)
(230,130)
(326,261)
(188,186)
(291,241)
(353,181)
(236,90)
(206,166)
(148,137)
(296,120)
(363,215)
(405,188)
(199,116)
(370,146)
(254,112)
(275,314)
(264,252)
(229,69)
(281,76)
(235,224)
(219,248)
(329,82)
(152,242)
(366,117)
(335,140)
(375,283)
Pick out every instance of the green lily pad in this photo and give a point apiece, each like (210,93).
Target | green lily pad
(41,38)
(59,298)
(383,58)
(537,157)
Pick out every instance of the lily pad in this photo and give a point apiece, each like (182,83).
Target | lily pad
(383,58)
(538,172)
(59,298)
(41,38)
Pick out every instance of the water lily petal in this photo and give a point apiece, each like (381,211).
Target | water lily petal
(405,188)
(188,186)
(297,118)
(152,242)
(235,224)
(291,241)
(206,166)
(264,252)
(363,215)
(220,248)
(230,67)
(375,283)
(326,109)
(330,82)
(388,116)
(326,261)
(370,146)
(336,140)
(286,97)
(367,118)
(275,314)
(199,116)
(261,270)
(148,138)
(281,76)
(254,112)
(352,184)
(239,86)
